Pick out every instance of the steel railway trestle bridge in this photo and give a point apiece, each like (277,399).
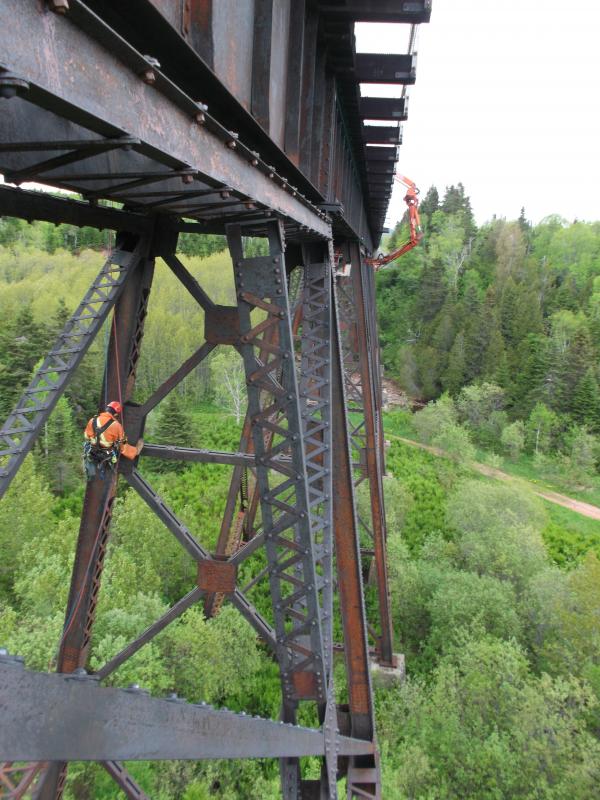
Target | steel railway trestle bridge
(147,104)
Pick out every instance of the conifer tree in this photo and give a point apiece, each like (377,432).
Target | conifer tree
(175,426)
(571,367)
(454,376)
(430,204)
(23,344)
(494,357)
(433,289)
(586,401)
(456,202)
(60,448)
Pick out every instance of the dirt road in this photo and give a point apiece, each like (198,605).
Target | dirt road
(579,507)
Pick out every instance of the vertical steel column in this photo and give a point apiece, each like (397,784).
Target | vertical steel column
(362,772)
(360,355)
(315,402)
(274,409)
(122,357)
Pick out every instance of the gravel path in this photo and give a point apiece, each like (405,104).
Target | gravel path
(578,506)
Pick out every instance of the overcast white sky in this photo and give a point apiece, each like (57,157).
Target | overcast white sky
(506,101)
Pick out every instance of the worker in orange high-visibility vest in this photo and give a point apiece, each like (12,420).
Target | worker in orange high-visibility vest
(105,441)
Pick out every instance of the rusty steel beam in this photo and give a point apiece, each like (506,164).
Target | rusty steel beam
(409,11)
(368,363)
(363,774)
(101,97)
(347,554)
(43,206)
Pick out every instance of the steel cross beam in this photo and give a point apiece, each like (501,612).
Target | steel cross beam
(43,206)
(61,717)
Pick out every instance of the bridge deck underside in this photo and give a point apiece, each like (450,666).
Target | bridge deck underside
(107,134)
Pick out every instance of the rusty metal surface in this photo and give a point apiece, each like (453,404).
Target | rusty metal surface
(266,99)
(364,307)
(98,99)
(347,547)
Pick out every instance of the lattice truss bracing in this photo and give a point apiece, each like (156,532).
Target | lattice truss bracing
(289,348)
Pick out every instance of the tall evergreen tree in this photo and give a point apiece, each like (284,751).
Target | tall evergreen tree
(175,426)
(454,376)
(433,289)
(59,449)
(456,202)
(430,204)
(586,401)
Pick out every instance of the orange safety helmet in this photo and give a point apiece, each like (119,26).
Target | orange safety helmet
(115,406)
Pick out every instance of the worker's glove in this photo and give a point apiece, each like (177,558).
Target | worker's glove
(139,446)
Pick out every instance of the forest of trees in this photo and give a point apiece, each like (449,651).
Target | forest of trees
(495,597)
(504,319)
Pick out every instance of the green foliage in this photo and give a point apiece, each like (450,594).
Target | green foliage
(513,439)
(509,304)
(569,536)
(434,418)
(174,427)
(498,529)
(485,728)
(26,510)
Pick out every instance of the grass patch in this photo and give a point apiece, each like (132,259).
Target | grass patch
(524,468)
(399,423)
(569,536)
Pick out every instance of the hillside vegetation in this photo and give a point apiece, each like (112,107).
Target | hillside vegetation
(500,632)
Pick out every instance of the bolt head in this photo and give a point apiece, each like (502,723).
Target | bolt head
(59,6)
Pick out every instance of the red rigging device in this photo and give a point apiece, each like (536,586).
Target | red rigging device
(411,198)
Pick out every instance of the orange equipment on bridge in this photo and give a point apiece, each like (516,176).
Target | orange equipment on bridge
(414,221)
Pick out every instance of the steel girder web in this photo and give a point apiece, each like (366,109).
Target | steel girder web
(363,390)
(170,136)
(112,723)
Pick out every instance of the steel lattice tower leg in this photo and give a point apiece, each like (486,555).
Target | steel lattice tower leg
(122,357)
(362,383)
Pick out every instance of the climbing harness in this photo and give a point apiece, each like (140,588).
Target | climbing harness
(96,458)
